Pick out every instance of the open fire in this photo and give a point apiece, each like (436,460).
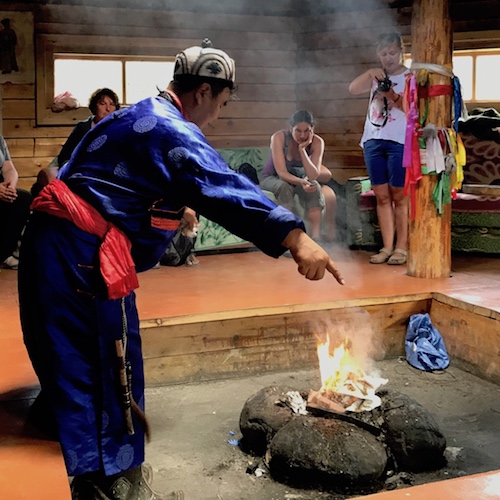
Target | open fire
(345,385)
(350,435)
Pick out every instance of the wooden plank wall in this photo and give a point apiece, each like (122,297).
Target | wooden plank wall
(289,55)
(471,335)
(335,46)
(263,45)
(233,343)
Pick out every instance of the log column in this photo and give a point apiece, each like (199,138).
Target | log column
(429,238)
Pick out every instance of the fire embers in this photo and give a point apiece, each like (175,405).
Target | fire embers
(347,451)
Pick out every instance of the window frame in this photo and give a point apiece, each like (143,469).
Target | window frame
(84,46)
(475,53)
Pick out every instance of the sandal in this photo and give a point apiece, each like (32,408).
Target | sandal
(382,256)
(191,260)
(10,263)
(398,257)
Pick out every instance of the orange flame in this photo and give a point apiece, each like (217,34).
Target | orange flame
(344,381)
(338,367)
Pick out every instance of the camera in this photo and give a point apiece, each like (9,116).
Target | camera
(384,85)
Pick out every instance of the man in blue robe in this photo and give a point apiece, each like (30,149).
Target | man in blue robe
(112,211)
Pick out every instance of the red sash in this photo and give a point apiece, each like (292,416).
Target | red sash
(117,265)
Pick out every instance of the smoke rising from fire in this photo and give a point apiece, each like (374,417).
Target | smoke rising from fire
(361,331)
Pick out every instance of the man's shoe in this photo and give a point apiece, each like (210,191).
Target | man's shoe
(132,484)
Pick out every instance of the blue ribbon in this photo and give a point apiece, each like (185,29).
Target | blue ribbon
(457,102)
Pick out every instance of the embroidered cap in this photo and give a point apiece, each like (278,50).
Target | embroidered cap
(205,61)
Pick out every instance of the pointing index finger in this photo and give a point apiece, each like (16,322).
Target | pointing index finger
(332,268)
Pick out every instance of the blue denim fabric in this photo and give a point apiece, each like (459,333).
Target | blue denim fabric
(424,345)
(384,161)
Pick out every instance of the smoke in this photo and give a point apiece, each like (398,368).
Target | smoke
(336,43)
(291,53)
(359,328)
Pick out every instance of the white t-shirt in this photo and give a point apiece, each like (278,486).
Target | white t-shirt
(395,126)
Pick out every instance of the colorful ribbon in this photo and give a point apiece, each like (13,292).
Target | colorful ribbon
(441,151)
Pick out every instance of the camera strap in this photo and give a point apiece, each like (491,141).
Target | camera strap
(385,111)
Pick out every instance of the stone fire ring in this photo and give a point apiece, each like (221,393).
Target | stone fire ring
(307,450)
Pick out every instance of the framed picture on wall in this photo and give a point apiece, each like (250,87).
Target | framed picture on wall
(17,53)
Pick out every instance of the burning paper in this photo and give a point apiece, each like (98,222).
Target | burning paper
(345,385)
(294,401)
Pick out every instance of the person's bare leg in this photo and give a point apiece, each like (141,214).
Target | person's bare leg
(330,212)
(314,218)
(385,214)
(401,218)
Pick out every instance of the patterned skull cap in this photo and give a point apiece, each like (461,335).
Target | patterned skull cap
(205,61)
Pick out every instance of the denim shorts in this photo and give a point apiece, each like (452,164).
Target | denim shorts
(384,161)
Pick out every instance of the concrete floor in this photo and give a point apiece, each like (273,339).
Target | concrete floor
(191,426)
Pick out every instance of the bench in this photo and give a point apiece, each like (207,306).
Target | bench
(475,215)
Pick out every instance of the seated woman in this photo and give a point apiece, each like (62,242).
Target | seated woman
(14,209)
(101,103)
(296,168)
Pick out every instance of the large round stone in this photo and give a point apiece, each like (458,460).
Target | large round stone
(314,451)
(411,433)
(262,416)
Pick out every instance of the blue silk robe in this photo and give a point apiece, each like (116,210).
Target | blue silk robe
(138,167)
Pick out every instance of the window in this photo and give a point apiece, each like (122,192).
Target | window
(486,82)
(132,79)
(477,71)
(75,63)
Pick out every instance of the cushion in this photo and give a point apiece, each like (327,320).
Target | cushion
(483,161)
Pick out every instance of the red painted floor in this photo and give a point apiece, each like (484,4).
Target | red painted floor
(29,467)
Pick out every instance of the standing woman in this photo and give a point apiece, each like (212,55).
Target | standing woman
(14,209)
(383,143)
(296,167)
